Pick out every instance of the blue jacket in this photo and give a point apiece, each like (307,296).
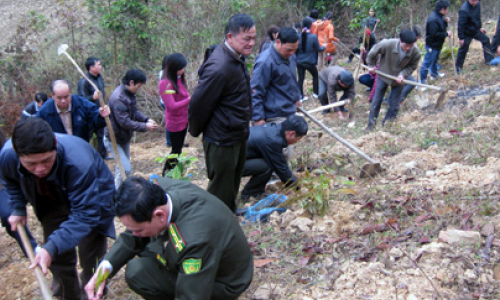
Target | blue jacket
(274,86)
(267,142)
(81,181)
(310,55)
(84,117)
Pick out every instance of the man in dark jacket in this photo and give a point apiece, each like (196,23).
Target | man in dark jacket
(71,114)
(126,119)
(31,109)
(265,154)
(469,28)
(86,90)
(70,189)
(436,33)
(275,92)
(221,109)
(181,243)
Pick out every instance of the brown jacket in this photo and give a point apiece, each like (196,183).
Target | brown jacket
(324,29)
(390,61)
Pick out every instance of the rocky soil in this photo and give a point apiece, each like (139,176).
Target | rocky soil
(427,228)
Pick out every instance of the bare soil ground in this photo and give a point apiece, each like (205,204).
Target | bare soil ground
(380,239)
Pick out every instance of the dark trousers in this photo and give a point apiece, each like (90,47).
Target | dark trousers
(462,51)
(355,51)
(101,149)
(261,173)
(313,70)
(393,100)
(177,139)
(91,249)
(367,79)
(224,170)
(5,212)
(146,277)
(406,91)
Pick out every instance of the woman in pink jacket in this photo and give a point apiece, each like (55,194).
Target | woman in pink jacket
(175,96)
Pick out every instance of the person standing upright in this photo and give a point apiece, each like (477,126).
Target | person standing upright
(175,96)
(275,92)
(307,57)
(469,28)
(221,109)
(86,90)
(326,35)
(126,118)
(435,34)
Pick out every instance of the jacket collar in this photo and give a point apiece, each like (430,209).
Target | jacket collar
(91,76)
(277,57)
(232,53)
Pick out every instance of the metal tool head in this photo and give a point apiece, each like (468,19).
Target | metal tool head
(441,99)
(371,170)
(62,49)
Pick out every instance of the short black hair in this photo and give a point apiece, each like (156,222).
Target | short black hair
(138,198)
(41,97)
(32,136)
(295,123)
(91,62)
(442,4)
(407,36)
(328,16)
(57,82)
(238,23)
(288,35)
(314,13)
(136,75)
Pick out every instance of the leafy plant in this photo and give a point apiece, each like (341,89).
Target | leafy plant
(180,169)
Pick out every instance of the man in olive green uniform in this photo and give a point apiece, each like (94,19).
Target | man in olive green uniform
(190,246)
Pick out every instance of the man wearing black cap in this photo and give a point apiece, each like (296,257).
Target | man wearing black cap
(332,80)
(398,57)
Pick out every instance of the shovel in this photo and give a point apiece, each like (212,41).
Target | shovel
(62,50)
(369,170)
(44,287)
(442,95)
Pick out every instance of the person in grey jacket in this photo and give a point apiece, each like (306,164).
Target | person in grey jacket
(307,57)
(332,80)
(275,92)
(398,57)
(265,154)
(469,28)
(126,118)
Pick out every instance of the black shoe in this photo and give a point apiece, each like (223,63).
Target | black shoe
(370,128)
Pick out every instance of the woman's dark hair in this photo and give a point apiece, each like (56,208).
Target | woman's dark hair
(306,23)
(328,16)
(41,97)
(136,75)
(175,63)
(271,31)
(164,62)
(138,198)
(32,136)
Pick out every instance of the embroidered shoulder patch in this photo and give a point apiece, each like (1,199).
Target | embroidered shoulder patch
(191,265)
(176,238)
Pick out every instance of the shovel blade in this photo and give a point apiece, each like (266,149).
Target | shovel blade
(370,170)
(62,48)
(441,99)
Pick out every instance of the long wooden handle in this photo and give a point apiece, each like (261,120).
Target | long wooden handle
(335,104)
(432,87)
(356,75)
(44,286)
(336,136)
(108,122)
